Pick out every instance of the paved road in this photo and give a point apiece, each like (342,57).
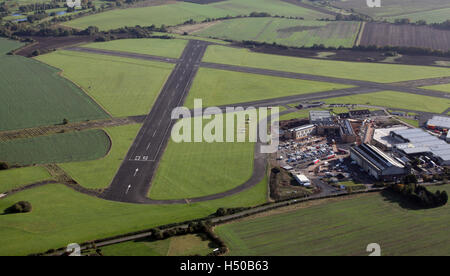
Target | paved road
(132,181)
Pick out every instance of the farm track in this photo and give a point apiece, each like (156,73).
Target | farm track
(132,168)
(48,130)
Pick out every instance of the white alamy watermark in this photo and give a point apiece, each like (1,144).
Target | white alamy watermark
(237,125)
(373,3)
(73,3)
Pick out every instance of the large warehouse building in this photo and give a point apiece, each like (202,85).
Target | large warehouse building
(413,142)
(377,163)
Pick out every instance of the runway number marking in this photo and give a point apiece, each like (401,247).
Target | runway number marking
(145,158)
(137,158)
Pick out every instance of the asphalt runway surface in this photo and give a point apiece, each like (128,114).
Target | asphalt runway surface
(133,179)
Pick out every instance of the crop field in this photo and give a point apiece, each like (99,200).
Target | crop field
(57,148)
(99,173)
(288,32)
(343,228)
(16,178)
(201,168)
(33,94)
(218,87)
(431,16)
(122,86)
(394,100)
(180,12)
(171,48)
(187,245)
(429,10)
(382,34)
(383,73)
(61,216)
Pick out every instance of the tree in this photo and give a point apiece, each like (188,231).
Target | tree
(65,121)
(4,166)
(19,207)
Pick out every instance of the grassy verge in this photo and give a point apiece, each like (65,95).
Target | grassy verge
(16,178)
(218,87)
(383,73)
(171,48)
(124,87)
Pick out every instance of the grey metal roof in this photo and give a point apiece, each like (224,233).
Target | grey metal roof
(420,141)
(319,115)
(439,121)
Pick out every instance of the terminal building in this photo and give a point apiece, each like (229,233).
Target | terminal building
(415,142)
(377,163)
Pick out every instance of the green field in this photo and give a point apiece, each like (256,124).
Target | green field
(57,148)
(124,87)
(202,168)
(301,114)
(99,173)
(432,16)
(394,100)
(343,228)
(440,87)
(187,245)
(412,122)
(16,178)
(180,12)
(171,48)
(33,94)
(288,32)
(218,87)
(61,216)
(383,73)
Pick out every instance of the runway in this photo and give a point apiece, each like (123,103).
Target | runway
(132,181)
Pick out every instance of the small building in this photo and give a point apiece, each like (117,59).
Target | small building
(302,180)
(301,132)
(377,163)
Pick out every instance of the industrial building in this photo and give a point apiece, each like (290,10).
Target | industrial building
(301,132)
(439,123)
(347,132)
(413,142)
(324,121)
(377,163)
(382,137)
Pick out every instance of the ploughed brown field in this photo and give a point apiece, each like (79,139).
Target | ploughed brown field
(382,34)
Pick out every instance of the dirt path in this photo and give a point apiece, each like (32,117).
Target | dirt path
(54,129)
(193,28)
